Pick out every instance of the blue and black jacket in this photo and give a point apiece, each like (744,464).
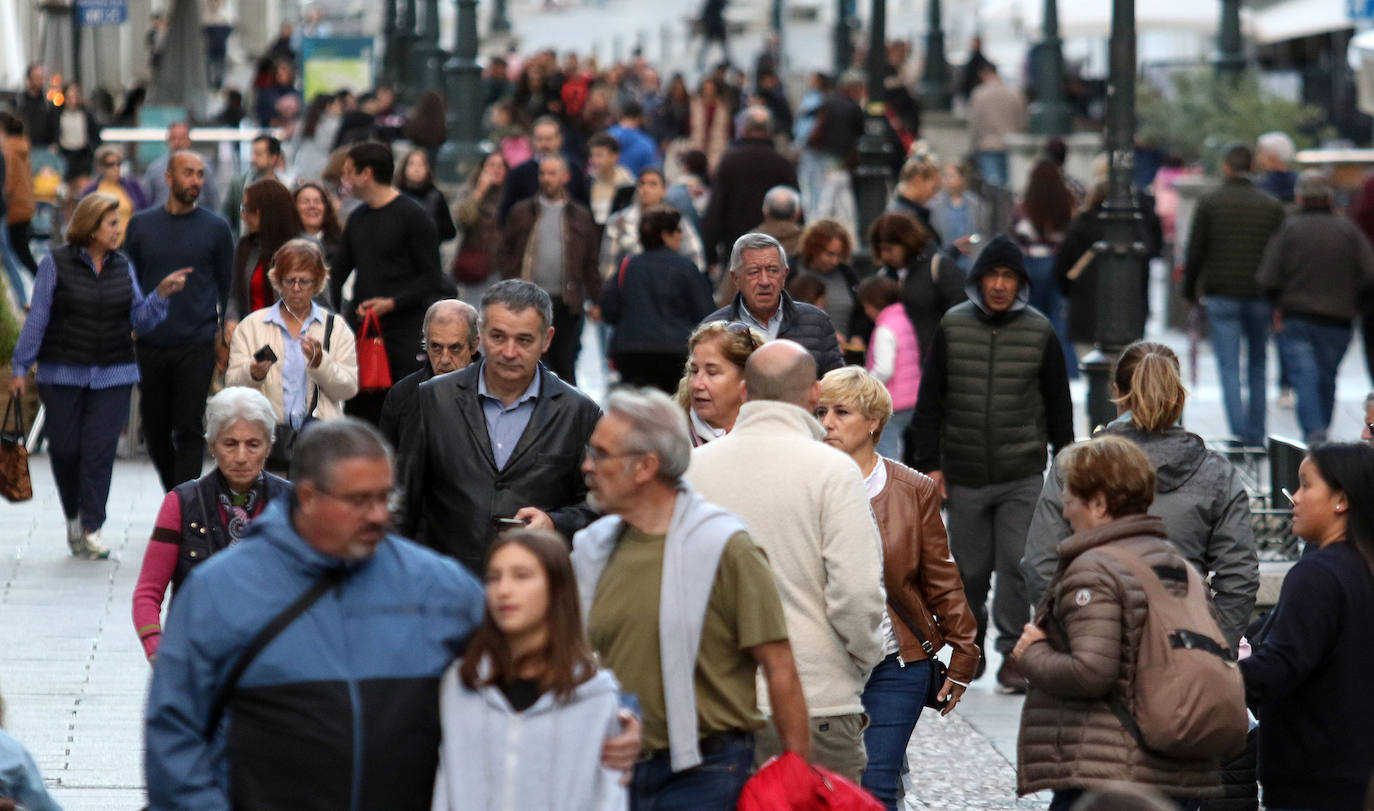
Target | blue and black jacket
(340,710)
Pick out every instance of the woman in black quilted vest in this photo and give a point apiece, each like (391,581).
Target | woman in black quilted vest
(86,305)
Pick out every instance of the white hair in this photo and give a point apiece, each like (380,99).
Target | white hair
(1277,144)
(755,241)
(656,426)
(239,403)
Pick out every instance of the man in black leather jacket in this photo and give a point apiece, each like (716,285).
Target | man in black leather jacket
(502,439)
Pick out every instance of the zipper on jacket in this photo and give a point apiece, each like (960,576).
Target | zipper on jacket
(510,782)
(987,406)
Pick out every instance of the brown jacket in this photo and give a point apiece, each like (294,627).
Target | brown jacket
(922,582)
(18,179)
(581,249)
(1070,738)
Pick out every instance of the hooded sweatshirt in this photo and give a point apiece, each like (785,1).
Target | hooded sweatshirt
(1205,509)
(994,390)
(546,758)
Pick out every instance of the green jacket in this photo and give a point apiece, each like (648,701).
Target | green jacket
(1231,227)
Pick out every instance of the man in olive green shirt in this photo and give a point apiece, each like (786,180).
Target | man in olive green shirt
(682,607)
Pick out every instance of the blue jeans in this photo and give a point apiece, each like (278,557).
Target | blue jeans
(890,443)
(83,435)
(893,699)
(1313,351)
(1233,319)
(993,167)
(715,785)
(1046,297)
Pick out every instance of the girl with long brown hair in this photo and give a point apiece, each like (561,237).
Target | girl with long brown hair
(527,700)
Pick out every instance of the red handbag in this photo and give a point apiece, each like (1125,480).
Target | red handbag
(374,372)
(788,783)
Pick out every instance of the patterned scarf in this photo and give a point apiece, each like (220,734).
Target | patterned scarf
(240,508)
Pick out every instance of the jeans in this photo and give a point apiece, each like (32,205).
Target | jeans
(893,699)
(715,785)
(1064,799)
(1313,351)
(1234,319)
(987,533)
(993,167)
(1046,297)
(890,443)
(83,435)
(561,358)
(175,383)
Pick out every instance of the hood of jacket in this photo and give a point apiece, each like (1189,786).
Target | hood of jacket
(1001,252)
(1177,454)
(1131,526)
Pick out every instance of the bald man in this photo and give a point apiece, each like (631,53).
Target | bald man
(177,358)
(806,506)
(449,338)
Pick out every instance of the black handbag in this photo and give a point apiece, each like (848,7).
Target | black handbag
(938,670)
(279,458)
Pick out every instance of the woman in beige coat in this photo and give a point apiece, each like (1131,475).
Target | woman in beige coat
(1094,614)
(283,350)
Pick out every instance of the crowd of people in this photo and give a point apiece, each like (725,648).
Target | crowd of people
(445,576)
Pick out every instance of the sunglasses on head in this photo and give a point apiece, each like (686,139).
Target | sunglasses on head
(740,328)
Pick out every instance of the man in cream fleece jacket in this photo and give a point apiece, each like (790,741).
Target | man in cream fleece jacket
(805,505)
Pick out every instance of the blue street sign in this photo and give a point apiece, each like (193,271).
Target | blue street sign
(103,12)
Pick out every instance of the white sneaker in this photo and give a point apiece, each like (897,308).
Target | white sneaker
(89,547)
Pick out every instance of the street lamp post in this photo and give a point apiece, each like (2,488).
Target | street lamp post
(935,75)
(875,147)
(408,68)
(463,98)
(1050,114)
(500,23)
(391,58)
(1120,315)
(429,54)
(844,44)
(1231,51)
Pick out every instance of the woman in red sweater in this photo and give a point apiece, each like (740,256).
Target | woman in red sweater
(206,515)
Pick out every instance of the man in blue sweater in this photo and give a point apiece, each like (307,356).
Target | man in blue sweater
(177,359)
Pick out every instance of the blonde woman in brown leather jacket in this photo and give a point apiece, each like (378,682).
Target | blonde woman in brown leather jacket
(919,575)
(1094,614)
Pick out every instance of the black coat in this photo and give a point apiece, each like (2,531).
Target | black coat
(453,491)
(803,323)
(433,201)
(926,298)
(747,170)
(655,303)
(1086,230)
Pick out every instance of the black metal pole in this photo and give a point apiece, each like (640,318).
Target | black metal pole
(463,98)
(500,23)
(1050,115)
(844,45)
(409,67)
(873,177)
(1231,49)
(391,57)
(1120,312)
(429,54)
(935,75)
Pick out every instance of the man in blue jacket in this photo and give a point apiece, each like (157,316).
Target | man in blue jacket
(339,709)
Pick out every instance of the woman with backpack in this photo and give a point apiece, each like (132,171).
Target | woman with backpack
(1080,655)
(1308,683)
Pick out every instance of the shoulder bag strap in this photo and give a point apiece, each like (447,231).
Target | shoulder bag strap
(315,398)
(269,632)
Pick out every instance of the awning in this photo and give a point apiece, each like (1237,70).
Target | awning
(1293,19)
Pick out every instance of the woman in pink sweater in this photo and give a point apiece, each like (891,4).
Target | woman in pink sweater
(894,356)
(203,516)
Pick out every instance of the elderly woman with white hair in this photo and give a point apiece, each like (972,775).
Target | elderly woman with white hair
(202,517)
(926,607)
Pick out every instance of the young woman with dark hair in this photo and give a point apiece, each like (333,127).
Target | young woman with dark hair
(1308,683)
(270,220)
(1039,225)
(527,700)
(416,180)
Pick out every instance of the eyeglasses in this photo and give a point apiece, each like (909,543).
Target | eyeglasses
(598,456)
(741,328)
(360,502)
(297,282)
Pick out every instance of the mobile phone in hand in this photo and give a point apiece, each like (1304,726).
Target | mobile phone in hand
(265,354)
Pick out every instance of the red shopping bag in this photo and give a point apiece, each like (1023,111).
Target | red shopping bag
(788,783)
(374,372)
